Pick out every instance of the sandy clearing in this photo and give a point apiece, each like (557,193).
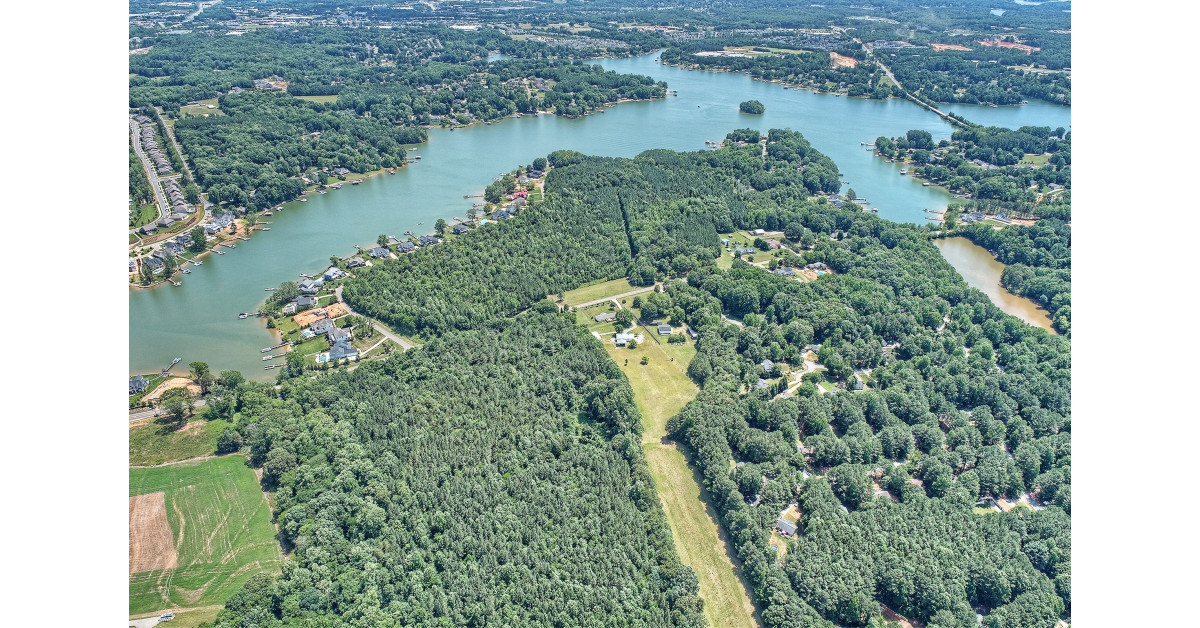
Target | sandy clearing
(150,543)
(174,382)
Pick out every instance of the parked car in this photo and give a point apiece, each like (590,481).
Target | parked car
(166,617)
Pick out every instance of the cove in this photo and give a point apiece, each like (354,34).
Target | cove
(198,320)
(982,271)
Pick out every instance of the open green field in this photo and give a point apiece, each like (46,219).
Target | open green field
(326,99)
(598,290)
(201,109)
(145,214)
(222,531)
(661,388)
(154,442)
(1035,160)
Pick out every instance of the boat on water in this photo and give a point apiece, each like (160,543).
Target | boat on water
(926,184)
(176,361)
(266,228)
(322,191)
(356,182)
(196,262)
(186,271)
(269,289)
(416,156)
(303,200)
(231,245)
(903,171)
(243,315)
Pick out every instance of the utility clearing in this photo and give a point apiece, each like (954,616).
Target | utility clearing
(661,388)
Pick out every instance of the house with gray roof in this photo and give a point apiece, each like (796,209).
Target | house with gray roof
(623,339)
(785,527)
(342,351)
(460,229)
(138,384)
(338,334)
(664,329)
(311,286)
(355,262)
(428,240)
(321,326)
(406,247)
(605,317)
(381,252)
(304,303)
(333,273)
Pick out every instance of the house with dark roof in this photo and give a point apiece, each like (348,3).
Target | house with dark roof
(304,303)
(138,385)
(605,317)
(185,240)
(500,214)
(664,329)
(855,383)
(156,263)
(760,384)
(333,273)
(767,365)
(817,266)
(785,527)
(460,229)
(172,248)
(381,252)
(693,333)
(355,262)
(784,271)
(406,247)
(428,240)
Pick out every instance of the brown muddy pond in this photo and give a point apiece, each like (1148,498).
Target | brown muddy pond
(982,271)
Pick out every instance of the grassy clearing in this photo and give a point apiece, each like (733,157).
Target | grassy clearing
(325,99)
(142,215)
(222,529)
(154,442)
(1035,160)
(598,290)
(201,109)
(661,388)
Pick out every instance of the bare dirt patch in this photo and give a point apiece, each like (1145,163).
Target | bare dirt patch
(175,382)
(842,61)
(150,544)
(943,47)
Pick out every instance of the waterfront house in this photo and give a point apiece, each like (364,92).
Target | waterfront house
(664,329)
(138,385)
(333,273)
(310,286)
(460,229)
(321,326)
(381,252)
(341,171)
(355,262)
(303,303)
(132,264)
(212,229)
(623,339)
(406,247)
(185,240)
(500,214)
(428,240)
(606,317)
(156,263)
(172,248)
(290,308)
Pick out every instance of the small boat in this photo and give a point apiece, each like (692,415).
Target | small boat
(903,171)
(186,271)
(926,184)
(356,182)
(303,200)
(269,289)
(176,361)
(267,213)
(266,228)
(231,245)
(322,191)
(416,156)
(243,315)
(196,262)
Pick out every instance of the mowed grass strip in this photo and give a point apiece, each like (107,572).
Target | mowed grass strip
(222,529)
(599,290)
(661,388)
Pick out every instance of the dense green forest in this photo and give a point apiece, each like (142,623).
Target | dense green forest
(490,477)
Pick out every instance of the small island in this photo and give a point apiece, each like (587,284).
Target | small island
(752,107)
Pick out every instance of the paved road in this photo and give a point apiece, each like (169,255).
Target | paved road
(153,412)
(151,172)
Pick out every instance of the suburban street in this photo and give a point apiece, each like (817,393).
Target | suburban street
(151,172)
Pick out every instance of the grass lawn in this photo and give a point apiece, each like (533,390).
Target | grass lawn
(222,530)
(661,388)
(597,290)
(152,442)
(201,109)
(197,617)
(1035,160)
(142,215)
(326,99)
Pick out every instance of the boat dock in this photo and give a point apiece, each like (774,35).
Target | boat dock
(282,344)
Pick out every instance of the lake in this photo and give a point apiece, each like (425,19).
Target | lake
(198,320)
(981,270)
